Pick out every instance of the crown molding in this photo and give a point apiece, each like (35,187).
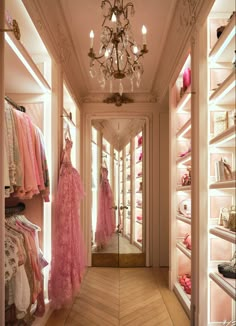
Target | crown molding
(55,34)
(188,14)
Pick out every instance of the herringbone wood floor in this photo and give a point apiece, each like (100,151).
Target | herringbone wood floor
(128,296)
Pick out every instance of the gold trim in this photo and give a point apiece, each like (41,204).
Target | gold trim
(15,29)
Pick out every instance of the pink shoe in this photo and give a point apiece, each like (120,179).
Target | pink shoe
(187,241)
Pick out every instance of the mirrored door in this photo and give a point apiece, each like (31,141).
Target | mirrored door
(118,223)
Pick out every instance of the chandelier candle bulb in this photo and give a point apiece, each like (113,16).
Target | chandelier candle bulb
(91,35)
(113,18)
(144,32)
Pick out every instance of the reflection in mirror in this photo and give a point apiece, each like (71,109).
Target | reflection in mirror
(117,186)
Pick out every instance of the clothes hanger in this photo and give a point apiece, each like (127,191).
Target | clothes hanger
(67,132)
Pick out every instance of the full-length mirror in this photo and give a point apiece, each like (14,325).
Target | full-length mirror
(118,192)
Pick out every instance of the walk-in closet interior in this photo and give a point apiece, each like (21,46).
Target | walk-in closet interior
(107,168)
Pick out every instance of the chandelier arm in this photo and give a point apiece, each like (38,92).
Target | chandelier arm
(106,1)
(110,30)
(127,24)
(129,4)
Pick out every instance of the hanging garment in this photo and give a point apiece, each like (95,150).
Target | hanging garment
(106,217)
(68,253)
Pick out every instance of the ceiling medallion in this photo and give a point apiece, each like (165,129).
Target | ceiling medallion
(118,99)
(119,55)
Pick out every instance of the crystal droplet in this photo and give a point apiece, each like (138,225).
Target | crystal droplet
(111,86)
(121,88)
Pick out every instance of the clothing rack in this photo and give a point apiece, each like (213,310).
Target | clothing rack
(68,116)
(11,210)
(16,106)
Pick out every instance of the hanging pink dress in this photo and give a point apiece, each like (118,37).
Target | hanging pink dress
(106,217)
(68,254)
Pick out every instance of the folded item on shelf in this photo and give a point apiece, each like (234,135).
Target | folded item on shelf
(139,218)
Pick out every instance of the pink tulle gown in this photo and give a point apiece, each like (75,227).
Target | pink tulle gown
(68,255)
(106,217)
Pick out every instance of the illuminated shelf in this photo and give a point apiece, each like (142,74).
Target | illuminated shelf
(17,52)
(183,297)
(185,131)
(185,160)
(226,284)
(225,139)
(227,87)
(183,218)
(184,103)
(184,250)
(224,48)
(224,233)
(224,185)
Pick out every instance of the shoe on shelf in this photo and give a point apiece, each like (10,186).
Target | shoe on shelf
(228,263)
(187,241)
(229,271)
(184,153)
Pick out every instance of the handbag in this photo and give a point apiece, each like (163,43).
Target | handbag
(232,218)
(220,122)
(223,171)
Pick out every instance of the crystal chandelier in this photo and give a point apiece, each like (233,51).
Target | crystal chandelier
(119,55)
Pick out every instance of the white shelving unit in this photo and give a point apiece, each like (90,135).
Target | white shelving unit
(180,176)
(132,174)
(221,192)
(138,190)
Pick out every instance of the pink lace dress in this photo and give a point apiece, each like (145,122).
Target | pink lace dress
(106,217)
(68,254)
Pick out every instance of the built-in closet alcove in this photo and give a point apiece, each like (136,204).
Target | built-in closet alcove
(33,80)
(202,236)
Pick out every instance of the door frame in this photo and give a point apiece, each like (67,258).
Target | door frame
(87,175)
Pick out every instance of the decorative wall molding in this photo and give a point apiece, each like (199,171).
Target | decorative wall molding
(187,11)
(135,97)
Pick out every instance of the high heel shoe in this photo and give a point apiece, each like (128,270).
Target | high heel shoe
(231,262)
(229,271)
(187,241)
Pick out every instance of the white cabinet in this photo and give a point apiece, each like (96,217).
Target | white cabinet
(131,185)
(221,159)
(180,187)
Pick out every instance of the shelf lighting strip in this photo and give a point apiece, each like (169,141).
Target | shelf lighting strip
(225,92)
(224,46)
(182,105)
(223,141)
(25,63)
(184,132)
